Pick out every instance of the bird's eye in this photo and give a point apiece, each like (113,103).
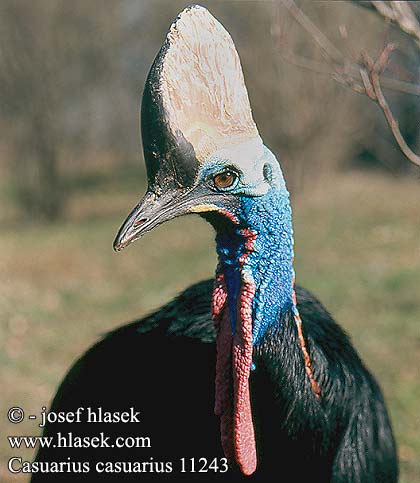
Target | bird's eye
(225,180)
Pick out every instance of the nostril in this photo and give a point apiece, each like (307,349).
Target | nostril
(268,173)
(140,222)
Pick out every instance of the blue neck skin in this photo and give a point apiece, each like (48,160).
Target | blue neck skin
(268,264)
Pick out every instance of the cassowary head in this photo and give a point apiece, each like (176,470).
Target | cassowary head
(201,146)
(204,155)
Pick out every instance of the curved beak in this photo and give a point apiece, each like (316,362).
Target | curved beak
(153,210)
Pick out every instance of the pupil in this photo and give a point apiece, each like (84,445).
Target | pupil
(224,180)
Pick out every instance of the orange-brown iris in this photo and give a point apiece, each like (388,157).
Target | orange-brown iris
(224,180)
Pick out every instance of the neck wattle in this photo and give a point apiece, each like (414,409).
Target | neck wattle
(253,290)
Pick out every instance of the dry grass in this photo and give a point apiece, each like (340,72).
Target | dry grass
(357,248)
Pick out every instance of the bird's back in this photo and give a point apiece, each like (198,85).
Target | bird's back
(163,367)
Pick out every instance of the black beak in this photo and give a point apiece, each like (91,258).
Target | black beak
(150,212)
(153,210)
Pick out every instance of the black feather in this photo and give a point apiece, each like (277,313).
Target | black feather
(163,365)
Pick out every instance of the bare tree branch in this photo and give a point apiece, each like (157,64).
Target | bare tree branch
(363,75)
(303,62)
(393,124)
(399,13)
(327,47)
(333,54)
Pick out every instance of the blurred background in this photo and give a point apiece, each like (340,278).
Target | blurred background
(71,168)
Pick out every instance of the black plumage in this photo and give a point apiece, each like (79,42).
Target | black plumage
(163,365)
(316,412)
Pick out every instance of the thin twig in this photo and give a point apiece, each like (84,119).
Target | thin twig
(369,73)
(367,84)
(327,47)
(333,54)
(350,74)
(400,13)
(367,70)
(393,124)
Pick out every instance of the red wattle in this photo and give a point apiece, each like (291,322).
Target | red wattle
(233,363)
(244,437)
(224,393)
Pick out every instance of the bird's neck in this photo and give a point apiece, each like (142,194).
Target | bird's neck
(254,286)
(257,251)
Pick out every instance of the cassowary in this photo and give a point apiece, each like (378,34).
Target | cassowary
(248,369)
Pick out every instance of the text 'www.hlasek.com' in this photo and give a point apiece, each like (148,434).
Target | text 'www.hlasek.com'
(63,443)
